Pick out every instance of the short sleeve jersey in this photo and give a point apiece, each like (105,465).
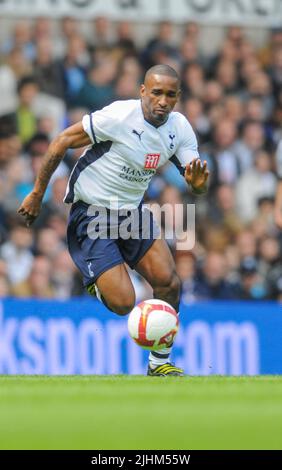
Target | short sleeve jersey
(125,154)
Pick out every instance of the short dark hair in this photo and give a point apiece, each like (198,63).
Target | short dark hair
(8,125)
(39,137)
(162,69)
(27,80)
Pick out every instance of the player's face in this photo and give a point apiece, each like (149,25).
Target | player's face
(159,95)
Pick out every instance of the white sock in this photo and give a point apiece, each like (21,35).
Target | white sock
(158,358)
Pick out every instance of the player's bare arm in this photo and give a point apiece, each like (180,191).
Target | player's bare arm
(197,174)
(72,137)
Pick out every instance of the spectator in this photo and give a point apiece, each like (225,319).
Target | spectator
(222,211)
(257,182)
(268,253)
(98,90)
(253,139)
(254,110)
(38,284)
(11,166)
(224,149)
(68,28)
(265,54)
(274,282)
(259,85)
(252,284)
(246,243)
(125,38)
(163,38)
(4,287)
(47,71)
(192,108)
(126,88)
(21,38)
(27,90)
(193,80)
(211,283)
(186,270)
(15,67)
(233,109)
(263,224)
(48,244)
(74,67)
(62,275)
(227,76)
(34,104)
(42,29)
(16,252)
(4,281)
(36,149)
(189,51)
(101,35)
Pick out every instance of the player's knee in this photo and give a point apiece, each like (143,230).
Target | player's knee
(175,285)
(122,309)
(176,282)
(171,282)
(123,304)
(169,287)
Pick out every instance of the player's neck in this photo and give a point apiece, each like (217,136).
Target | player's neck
(151,121)
(154,124)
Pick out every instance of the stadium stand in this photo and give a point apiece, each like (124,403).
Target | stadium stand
(233,99)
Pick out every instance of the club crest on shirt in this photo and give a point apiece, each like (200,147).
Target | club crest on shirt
(151,160)
(172,137)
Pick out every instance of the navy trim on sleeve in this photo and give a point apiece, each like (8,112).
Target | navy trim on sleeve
(92,130)
(178,165)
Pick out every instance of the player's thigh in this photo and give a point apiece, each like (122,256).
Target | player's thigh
(116,287)
(157,265)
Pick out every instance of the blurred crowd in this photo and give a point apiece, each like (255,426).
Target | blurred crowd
(233,100)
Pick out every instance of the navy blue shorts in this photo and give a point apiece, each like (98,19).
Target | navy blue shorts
(99,239)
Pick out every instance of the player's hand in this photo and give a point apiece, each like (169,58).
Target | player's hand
(278,217)
(196,174)
(30,208)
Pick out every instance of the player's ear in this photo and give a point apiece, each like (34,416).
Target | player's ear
(179,94)
(142,89)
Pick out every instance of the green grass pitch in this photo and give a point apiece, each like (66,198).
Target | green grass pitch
(133,412)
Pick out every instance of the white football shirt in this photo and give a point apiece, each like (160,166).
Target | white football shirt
(126,152)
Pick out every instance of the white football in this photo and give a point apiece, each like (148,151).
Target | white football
(153,324)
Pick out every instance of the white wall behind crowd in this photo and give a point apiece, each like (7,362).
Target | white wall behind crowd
(253,12)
